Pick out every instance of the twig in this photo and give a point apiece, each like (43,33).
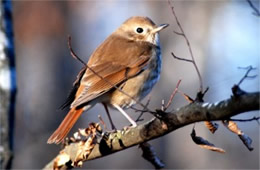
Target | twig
(249,69)
(143,111)
(102,78)
(188,44)
(75,56)
(183,59)
(178,33)
(172,95)
(256,11)
(246,120)
(138,110)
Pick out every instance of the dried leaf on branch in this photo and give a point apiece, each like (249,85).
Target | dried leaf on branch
(212,126)
(84,149)
(85,140)
(232,126)
(61,160)
(150,155)
(204,143)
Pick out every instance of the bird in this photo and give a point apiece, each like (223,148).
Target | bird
(119,73)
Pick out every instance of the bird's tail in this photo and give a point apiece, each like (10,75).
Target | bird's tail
(65,126)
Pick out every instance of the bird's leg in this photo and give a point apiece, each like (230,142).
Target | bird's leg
(109,117)
(125,114)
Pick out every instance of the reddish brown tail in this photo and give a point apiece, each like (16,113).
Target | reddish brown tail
(65,126)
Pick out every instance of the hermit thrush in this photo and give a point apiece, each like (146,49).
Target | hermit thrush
(130,59)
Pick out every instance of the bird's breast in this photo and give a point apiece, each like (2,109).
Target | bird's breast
(141,85)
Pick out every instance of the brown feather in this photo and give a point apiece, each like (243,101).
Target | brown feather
(101,86)
(119,49)
(74,89)
(119,57)
(65,126)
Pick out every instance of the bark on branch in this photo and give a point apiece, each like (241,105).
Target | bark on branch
(194,112)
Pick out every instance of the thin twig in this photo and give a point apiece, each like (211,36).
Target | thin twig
(143,111)
(246,120)
(249,69)
(172,95)
(139,110)
(102,78)
(188,44)
(178,33)
(183,59)
(256,11)
(74,56)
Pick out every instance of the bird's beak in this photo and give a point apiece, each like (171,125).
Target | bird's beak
(160,27)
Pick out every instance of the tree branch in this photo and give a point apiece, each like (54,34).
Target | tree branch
(256,11)
(193,112)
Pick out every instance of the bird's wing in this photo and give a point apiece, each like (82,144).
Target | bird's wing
(115,61)
(74,89)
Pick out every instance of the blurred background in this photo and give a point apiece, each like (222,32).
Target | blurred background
(223,35)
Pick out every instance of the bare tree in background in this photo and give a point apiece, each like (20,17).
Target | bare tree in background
(7,84)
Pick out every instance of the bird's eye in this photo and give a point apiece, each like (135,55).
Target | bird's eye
(139,30)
